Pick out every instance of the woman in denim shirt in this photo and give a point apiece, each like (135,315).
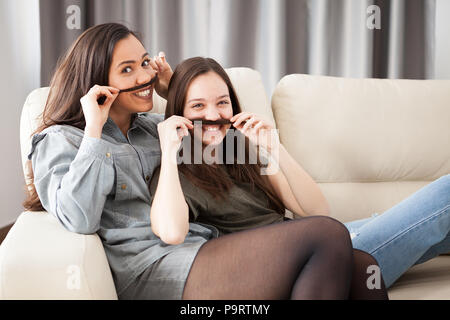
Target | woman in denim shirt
(92,161)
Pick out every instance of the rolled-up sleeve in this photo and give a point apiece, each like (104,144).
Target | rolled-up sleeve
(72,179)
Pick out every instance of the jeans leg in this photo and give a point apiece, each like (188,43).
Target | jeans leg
(437,249)
(400,236)
(355,225)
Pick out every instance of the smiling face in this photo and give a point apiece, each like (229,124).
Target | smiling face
(208,98)
(130,67)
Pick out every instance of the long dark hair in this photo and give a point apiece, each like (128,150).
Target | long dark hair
(85,64)
(214,179)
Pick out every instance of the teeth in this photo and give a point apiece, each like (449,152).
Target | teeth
(144,93)
(211,128)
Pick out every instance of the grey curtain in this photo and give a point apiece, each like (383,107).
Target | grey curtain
(275,37)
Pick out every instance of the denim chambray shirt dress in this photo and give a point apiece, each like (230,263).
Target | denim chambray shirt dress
(101,186)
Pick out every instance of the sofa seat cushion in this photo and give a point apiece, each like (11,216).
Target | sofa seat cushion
(426,281)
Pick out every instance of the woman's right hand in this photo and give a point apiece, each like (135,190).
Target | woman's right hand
(171,131)
(96,115)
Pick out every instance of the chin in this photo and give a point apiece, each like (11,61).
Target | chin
(212,142)
(146,108)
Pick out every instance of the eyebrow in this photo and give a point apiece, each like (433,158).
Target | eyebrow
(201,99)
(131,61)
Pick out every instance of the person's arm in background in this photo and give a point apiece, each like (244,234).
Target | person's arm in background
(298,187)
(294,186)
(165,72)
(169,213)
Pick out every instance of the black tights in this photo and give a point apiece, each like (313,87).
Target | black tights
(308,258)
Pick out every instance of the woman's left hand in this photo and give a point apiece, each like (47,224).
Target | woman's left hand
(259,131)
(165,72)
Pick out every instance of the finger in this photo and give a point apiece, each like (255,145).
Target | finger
(113,96)
(112,89)
(258,126)
(189,123)
(99,90)
(180,123)
(161,65)
(184,120)
(249,123)
(162,59)
(153,64)
(100,97)
(109,100)
(158,63)
(235,116)
(182,130)
(241,118)
(162,55)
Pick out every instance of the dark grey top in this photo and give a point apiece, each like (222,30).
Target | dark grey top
(101,185)
(242,208)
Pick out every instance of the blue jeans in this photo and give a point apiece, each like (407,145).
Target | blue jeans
(413,231)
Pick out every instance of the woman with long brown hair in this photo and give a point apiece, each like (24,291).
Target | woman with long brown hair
(97,147)
(249,250)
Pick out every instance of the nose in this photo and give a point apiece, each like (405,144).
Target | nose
(211,113)
(145,76)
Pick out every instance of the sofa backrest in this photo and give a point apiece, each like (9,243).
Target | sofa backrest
(246,82)
(369,143)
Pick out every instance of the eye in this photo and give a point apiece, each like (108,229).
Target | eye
(146,63)
(198,105)
(126,70)
(224,102)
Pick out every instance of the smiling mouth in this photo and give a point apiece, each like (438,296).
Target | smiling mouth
(212,128)
(144,93)
(145,85)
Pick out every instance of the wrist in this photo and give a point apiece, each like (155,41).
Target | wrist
(93,131)
(169,156)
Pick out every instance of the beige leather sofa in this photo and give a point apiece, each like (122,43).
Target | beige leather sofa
(369,143)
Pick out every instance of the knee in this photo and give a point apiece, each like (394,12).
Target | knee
(360,255)
(332,231)
(442,187)
(445,181)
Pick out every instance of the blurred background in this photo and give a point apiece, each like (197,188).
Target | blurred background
(406,39)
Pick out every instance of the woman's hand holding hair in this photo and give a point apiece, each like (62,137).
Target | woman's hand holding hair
(259,131)
(96,115)
(293,185)
(169,213)
(171,131)
(165,72)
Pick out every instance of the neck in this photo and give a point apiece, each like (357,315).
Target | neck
(122,120)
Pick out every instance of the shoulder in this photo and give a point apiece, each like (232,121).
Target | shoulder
(57,136)
(149,121)
(151,118)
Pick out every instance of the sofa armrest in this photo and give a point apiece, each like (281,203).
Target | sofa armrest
(40,259)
